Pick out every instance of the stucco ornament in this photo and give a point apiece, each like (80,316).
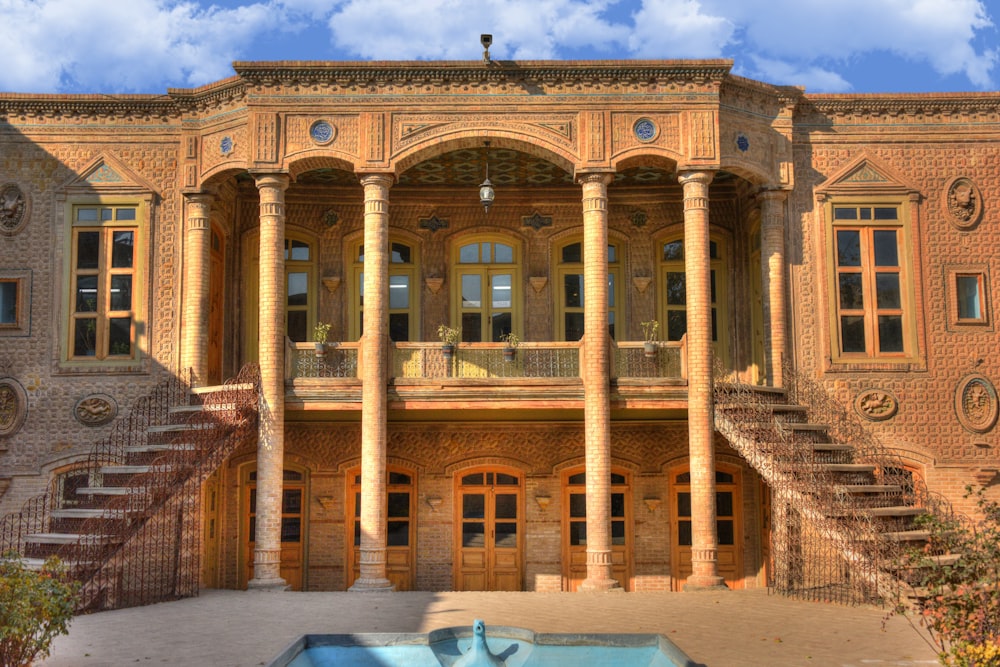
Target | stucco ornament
(95,410)
(13,209)
(876,404)
(976,403)
(963,202)
(13,406)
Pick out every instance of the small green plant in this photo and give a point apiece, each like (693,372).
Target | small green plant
(449,335)
(35,608)
(649,329)
(321,331)
(510,340)
(959,601)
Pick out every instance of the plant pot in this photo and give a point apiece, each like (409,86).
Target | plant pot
(508,354)
(320,349)
(649,349)
(448,351)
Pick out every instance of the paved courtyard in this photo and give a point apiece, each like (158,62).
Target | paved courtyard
(718,629)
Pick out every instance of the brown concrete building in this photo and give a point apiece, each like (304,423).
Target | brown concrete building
(818,269)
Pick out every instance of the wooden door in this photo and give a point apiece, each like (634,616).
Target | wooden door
(292,527)
(210,531)
(574,523)
(489,538)
(728,522)
(400,529)
(216,306)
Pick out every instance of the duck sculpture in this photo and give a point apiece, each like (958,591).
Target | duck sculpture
(479,654)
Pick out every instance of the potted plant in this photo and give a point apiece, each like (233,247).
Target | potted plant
(450,337)
(649,329)
(510,341)
(320,333)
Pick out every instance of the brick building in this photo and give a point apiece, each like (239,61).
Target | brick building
(795,252)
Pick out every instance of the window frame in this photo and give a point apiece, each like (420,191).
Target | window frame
(409,270)
(21,279)
(486,270)
(615,291)
(981,273)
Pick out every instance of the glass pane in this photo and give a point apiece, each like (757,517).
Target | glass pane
(399,327)
(400,253)
(122,250)
(617,504)
(851,295)
(684,503)
(297,325)
(357,533)
(852,333)
(503,479)
(291,501)
(485,250)
(617,478)
(848,248)
(298,289)
(890,333)
(472,291)
(500,324)
(121,292)
(715,325)
(501,290)
(887,290)
(399,292)
(969,302)
(725,532)
(8,302)
(357,504)
(85,338)
(299,251)
(291,528)
(474,506)
(398,534)
(578,505)
(472,327)
(294,476)
(724,503)
(865,212)
(505,506)
(578,478)
(574,326)
(572,253)
(844,213)
(86,214)
(886,250)
(676,294)
(88,247)
(120,335)
(473,534)
(469,254)
(618,532)
(885,213)
(472,480)
(86,294)
(506,534)
(711,279)
(724,478)
(107,214)
(578,533)
(673,250)
(399,478)
(612,254)
(676,324)
(398,504)
(253,501)
(683,478)
(125,214)
(611,290)
(503,253)
(573,290)
(684,533)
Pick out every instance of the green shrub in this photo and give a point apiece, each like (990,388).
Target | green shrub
(35,607)
(959,601)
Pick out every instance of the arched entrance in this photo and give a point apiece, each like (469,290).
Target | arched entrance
(489,535)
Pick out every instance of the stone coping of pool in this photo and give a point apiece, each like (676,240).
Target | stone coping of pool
(663,645)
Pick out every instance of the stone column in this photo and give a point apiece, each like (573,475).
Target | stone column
(772,254)
(701,419)
(195,292)
(596,382)
(271,357)
(374,377)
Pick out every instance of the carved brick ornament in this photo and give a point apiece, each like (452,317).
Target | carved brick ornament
(876,404)
(14,207)
(95,410)
(963,203)
(13,406)
(976,403)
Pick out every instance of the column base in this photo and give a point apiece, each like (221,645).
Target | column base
(697,583)
(269,585)
(372,586)
(599,586)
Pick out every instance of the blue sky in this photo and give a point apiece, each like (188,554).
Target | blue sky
(836,46)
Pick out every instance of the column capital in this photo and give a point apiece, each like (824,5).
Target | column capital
(772,193)
(702,177)
(602,177)
(380,179)
(271,179)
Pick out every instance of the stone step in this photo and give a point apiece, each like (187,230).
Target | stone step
(849,489)
(103,491)
(88,513)
(129,470)
(69,538)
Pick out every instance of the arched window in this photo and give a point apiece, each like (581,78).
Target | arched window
(570,294)
(486,289)
(403,306)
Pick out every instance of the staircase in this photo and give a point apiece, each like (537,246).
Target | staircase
(843,506)
(132,535)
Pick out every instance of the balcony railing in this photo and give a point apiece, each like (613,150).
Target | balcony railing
(485,360)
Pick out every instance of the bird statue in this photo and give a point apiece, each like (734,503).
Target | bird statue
(479,653)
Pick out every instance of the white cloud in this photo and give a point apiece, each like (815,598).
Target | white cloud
(679,29)
(812,77)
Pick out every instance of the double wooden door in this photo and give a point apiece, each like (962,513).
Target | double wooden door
(293,532)
(490,536)
(728,524)
(575,530)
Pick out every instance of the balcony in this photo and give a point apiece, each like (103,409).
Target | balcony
(484,375)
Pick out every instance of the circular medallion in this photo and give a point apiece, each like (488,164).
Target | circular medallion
(13,406)
(95,410)
(962,203)
(976,403)
(742,142)
(226,145)
(644,129)
(876,405)
(321,132)
(13,209)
